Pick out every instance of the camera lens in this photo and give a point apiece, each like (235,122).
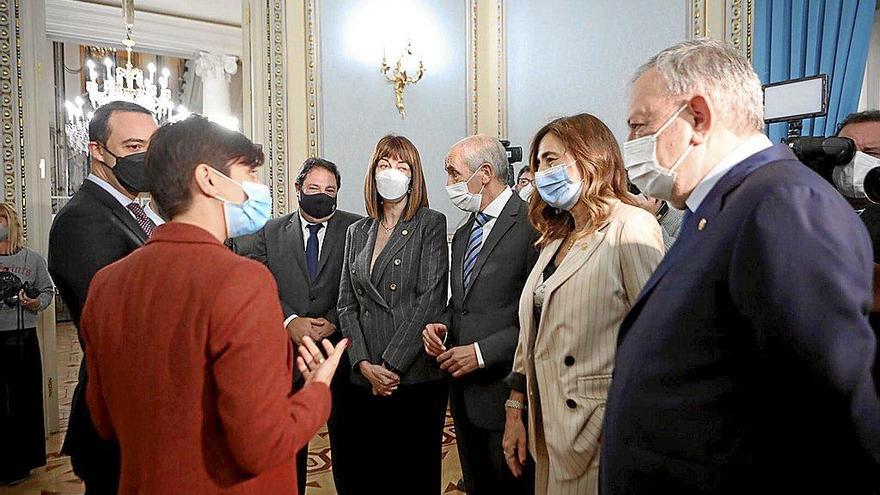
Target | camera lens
(872,185)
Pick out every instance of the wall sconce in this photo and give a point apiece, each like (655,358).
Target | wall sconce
(407,70)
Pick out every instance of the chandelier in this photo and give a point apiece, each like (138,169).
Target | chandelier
(127,84)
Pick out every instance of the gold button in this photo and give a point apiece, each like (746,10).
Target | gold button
(393,286)
(702,224)
(405,232)
(397,262)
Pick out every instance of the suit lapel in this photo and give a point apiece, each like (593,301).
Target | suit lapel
(293,243)
(119,211)
(577,256)
(368,234)
(708,210)
(502,224)
(402,233)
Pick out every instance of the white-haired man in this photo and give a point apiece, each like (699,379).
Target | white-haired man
(745,365)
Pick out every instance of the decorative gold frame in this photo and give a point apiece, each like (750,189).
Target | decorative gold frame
(12,108)
(730,20)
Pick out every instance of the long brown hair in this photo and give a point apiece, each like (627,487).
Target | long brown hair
(597,156)
(402,149)
(16,237)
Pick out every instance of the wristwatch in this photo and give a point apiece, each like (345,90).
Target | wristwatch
(515,404)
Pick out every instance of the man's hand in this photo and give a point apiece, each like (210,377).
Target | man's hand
(459,361)
(301,327)
(322,327)
(317,366)
(514,441)
(383,380)
(432,337)
(28,303)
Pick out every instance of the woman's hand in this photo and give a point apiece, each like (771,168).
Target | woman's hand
(28,303)
(513,443)
(383,380)
(313,364)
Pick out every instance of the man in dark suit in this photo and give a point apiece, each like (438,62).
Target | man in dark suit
(745,364)
(475,340)
(101,224)
(304,251)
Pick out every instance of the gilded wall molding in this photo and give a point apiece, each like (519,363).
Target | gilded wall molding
(728,20)
(698,26)
(276,100)
(313,74)
(740,27)
(12,108)
(501,75)
(472,66)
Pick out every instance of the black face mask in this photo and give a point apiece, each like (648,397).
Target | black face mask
(129,171)
(317,205)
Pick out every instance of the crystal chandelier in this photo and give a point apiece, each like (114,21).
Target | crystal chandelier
(127,84)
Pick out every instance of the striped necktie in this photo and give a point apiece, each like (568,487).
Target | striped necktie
(475,242)
(141,217)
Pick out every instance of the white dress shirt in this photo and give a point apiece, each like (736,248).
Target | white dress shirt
(493,210)
(304,225)
(754,144)
(124,200)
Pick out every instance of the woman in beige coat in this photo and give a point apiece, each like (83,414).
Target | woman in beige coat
(597,251)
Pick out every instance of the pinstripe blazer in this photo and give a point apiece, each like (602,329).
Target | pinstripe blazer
(570,355)
(384,310)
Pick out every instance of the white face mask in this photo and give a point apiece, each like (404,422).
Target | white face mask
(463,198)
(850,178)
(642,167)
(526,192)
(392,184)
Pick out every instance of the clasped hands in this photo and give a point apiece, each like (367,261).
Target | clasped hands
(458,361)
(383,380)
(314,328)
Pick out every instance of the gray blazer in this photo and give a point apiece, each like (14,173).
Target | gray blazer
(384,310)
(279,246)
(488,312)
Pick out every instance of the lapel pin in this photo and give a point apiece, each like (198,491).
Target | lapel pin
(702,224)
(405,232)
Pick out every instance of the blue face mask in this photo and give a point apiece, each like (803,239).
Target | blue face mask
(251,215)
(557,188)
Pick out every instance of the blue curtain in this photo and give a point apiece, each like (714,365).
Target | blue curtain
(798,38)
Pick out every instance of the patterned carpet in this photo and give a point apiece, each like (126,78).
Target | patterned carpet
(58,478)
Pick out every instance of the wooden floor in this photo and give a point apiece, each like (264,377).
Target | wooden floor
(58,478)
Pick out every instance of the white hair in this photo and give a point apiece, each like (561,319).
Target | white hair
(480,149)
(718,71)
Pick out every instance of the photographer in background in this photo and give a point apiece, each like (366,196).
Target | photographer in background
(27,289)
(864,129)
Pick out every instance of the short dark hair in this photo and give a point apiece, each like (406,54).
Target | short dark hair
(175,151)
(99,125)
(523,170)
(312,163)
(859,117)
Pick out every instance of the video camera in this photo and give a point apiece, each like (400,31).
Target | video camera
(11,285)
(834,158)
(514,155)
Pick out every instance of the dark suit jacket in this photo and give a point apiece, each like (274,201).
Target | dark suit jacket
(92,231)
(745,365)
(279,246)
(488,313)
(384,310)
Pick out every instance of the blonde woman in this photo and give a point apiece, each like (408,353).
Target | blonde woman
(23,445)
(597,251)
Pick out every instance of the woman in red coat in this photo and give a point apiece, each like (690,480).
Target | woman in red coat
(189,364)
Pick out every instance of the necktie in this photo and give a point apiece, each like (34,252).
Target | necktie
(475,242)
(141,218)
(312,250)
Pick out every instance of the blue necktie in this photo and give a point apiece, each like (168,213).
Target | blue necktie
(312,250)
(475,241)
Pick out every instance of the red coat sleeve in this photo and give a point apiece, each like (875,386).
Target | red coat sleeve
(252,361)
(94,391)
